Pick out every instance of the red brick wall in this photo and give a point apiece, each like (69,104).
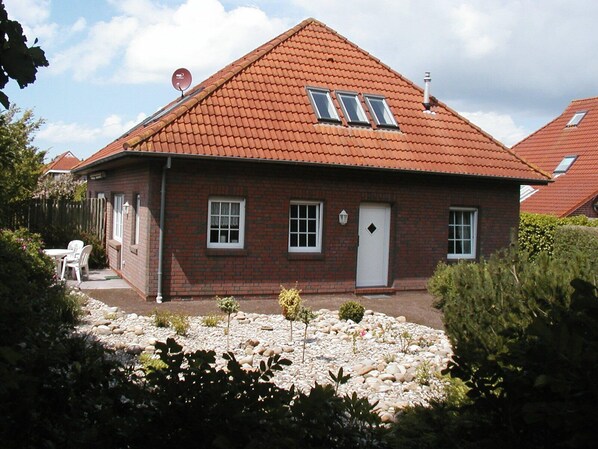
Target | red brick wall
(419,226)
(587,209)
(418,239)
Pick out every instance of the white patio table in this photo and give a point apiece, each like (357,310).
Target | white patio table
(58,254)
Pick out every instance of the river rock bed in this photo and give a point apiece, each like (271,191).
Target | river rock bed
(390,361)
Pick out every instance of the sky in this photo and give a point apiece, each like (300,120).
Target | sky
(509,66)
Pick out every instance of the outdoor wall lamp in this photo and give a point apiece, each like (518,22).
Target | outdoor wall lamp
(126,208)
(343,217)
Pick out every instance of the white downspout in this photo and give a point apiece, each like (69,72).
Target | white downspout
(161,235)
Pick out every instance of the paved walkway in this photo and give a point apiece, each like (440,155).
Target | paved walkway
(105,286)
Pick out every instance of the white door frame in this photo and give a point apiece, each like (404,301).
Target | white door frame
(374,245)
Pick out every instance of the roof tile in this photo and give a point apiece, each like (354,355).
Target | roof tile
(258,108)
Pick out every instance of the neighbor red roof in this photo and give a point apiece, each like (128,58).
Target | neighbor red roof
(62,163)
(547,147)
(257,108)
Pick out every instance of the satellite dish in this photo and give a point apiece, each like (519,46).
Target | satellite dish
(181,79)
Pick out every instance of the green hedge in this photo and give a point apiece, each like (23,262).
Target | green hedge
(536,231)
(571,239)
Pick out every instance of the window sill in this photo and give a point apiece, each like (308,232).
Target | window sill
(224,252)
(114,244)
(305,256)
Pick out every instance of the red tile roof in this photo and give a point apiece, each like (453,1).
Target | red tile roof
(547,147)
(62,163)
(257,108)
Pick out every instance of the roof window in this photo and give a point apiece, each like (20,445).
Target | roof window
(352,108)
(380,111)
(322,104)
(565,164)
(577,117)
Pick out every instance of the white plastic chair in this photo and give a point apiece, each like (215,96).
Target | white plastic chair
(75,246)
(82,262)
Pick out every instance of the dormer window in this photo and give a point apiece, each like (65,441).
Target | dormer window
(322,104)
(565,165)
(577,117)
(352,109)
(380,111)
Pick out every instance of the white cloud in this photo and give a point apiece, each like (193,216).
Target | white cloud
(146,42)
(500,126)
(76,133)
(33,15)
(79,25)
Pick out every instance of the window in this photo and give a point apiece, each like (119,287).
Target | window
(305,227)
(462,233)
(380,111)
(322,104)
(226,223)
(137,219)
(352,108)
(117,217)
(565,164)
(577,117)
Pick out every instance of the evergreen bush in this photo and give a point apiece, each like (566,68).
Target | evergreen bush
(351,310)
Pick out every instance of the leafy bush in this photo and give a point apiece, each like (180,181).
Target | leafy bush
(351,310)
(536,231)
(290,303)
(211,320)
(569,240)
(228,305)
(440,284)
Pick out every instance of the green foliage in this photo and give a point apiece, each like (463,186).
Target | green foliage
(440,284)
(67,187)
(211,320)
(290,303)
(30,296)
(537,231)
(20,162)
(17,60)
(228,305)
(178,322)
(569,240)
(351,310)
(150,363)
(306,316)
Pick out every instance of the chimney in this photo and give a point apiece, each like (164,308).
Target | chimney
(427,80)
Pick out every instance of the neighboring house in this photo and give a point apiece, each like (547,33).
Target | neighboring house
(310,161)
(567,147)
(61,165)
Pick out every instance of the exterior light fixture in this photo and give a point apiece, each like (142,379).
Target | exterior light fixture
(126,208)
(343,217)
(97,175)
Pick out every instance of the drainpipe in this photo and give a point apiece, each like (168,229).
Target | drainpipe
(161,237)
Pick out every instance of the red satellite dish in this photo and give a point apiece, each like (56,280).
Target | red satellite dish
(181,79)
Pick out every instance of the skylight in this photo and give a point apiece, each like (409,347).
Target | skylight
(322,104)
(380,111)
(577,117)
(352,108)
(565,164)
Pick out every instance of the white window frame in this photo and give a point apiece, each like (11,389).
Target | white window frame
(241,217)
(137,218)
(332,113)
(344,97)
(298,231)
(576,119)
(389,118)
(117,217)
(473,212)
(565,164)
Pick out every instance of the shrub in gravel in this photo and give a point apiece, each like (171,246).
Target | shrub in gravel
(290,303)
(351,310)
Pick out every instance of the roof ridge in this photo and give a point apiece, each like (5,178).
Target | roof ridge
(252,57)
(584,99)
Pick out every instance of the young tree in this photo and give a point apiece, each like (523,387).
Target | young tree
(20,162)
(17,61)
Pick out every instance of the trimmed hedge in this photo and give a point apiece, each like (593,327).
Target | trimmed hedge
(571,239)
(536,231)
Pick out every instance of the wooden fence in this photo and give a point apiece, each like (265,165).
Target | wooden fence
(88,216)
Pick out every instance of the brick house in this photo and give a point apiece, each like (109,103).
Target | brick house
(310,161)
(61,165)
(566,147)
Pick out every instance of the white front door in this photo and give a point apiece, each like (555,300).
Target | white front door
(374,238)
